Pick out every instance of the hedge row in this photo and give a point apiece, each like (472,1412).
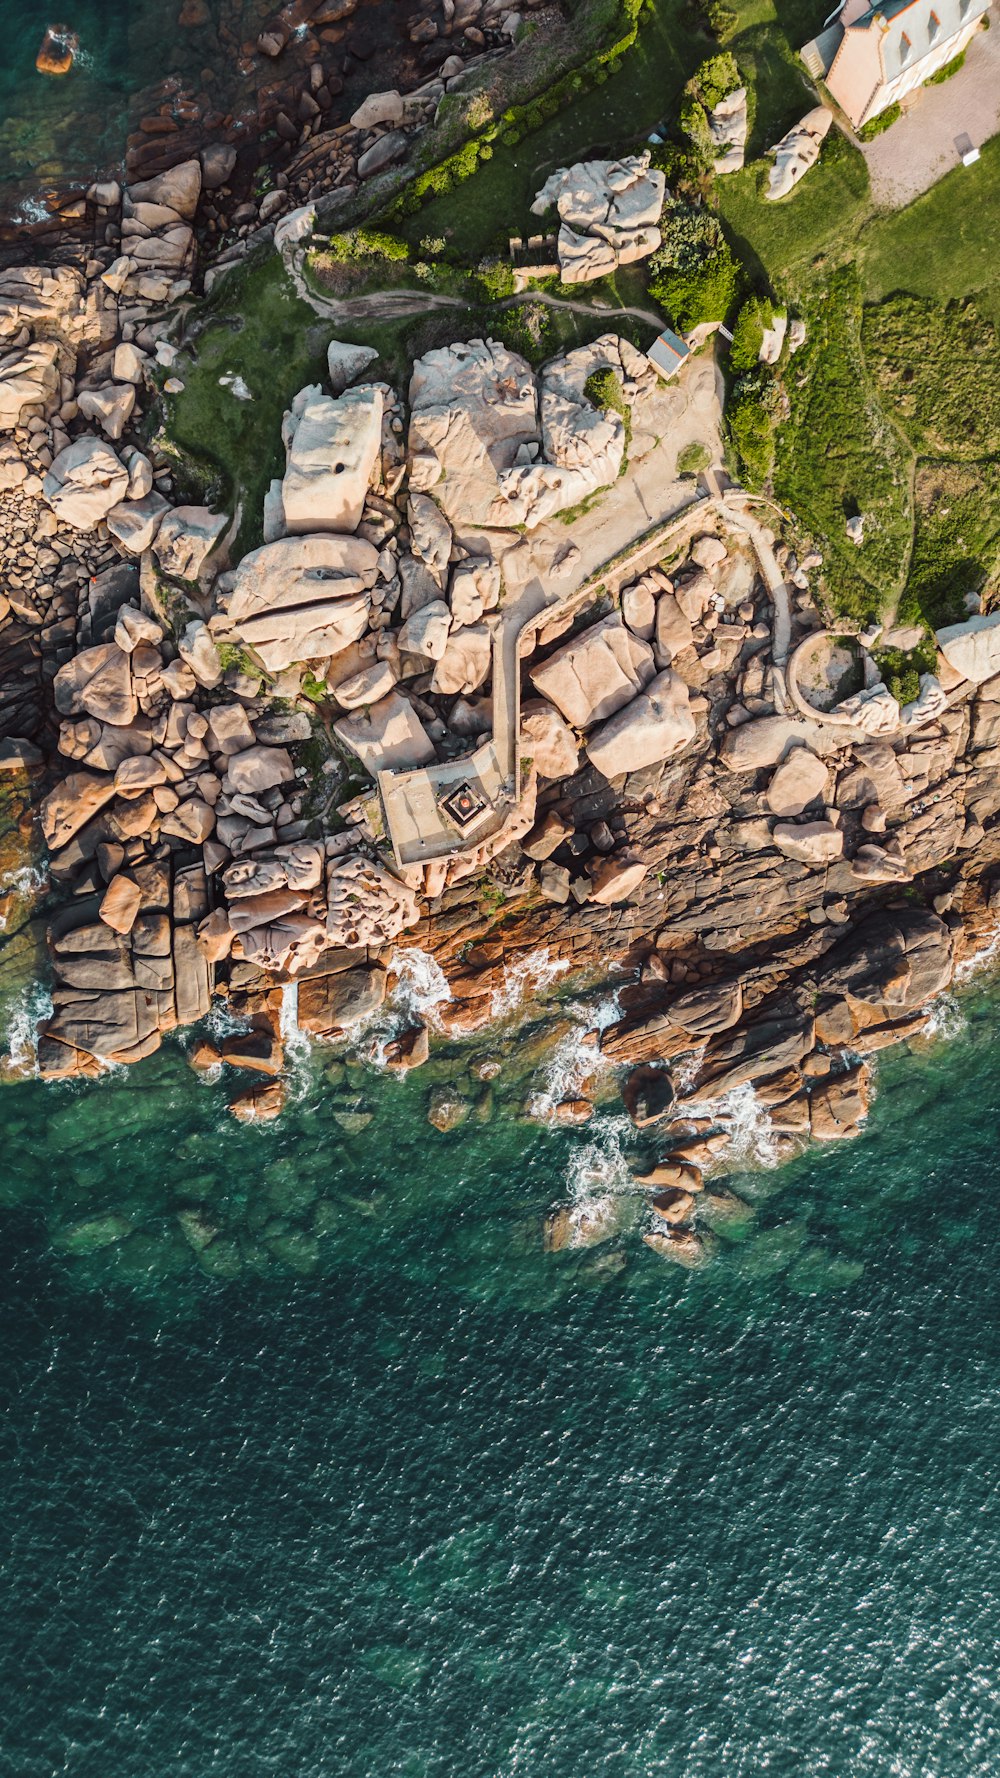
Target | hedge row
(519,120)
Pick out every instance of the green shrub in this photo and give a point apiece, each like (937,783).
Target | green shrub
(694,122)
(748,334)
(901,671)
(496,279)
(693,459)
(367,243)
(722,20)
(604,389)
(876,125)
(750,421)
(945,73)
(693,274)
(716,77)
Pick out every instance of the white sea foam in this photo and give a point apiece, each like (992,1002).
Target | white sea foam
(575,1061)
(222,1022)
(420,988)
(946,1018)
(296,1043)
(421,984)
(32,1007)
(752,1136)
(27,882)
(598,1170)
(526,979)
(753,1141)
(30,210)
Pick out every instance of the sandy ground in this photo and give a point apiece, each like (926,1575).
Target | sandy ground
(920,148)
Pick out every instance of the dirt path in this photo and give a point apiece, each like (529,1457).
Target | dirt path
(395,305)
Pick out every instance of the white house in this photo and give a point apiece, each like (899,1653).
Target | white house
(871,56)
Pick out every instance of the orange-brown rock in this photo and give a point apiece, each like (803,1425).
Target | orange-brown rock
(58,50)
(120,904)
(673,1204)
(259,1050)
(259,1104)
(203,1057)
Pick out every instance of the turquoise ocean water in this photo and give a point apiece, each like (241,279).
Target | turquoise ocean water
(395,1492)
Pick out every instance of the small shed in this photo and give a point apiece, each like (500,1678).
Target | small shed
(668,352)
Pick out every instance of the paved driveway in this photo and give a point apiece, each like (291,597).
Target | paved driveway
(920,148)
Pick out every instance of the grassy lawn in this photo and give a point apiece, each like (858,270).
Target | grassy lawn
(839,454)
(943,245)
(781,243)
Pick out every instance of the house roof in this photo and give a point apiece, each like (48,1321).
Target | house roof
(668,350)
(909,29)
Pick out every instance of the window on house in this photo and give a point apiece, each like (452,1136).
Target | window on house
(933,27)
(905,47)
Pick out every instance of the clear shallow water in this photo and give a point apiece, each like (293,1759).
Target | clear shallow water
(449,1505)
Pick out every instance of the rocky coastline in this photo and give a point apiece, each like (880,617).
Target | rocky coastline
(428,715)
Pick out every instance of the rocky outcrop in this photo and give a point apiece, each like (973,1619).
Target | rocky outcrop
(608,214)
(85,481)
(303,598)
(332,447)
(798,151)
(595,674)
(653,727)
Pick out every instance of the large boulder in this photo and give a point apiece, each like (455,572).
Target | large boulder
(29,378)
(728,123)
(425,631)
(178,189)
(97,682)
(608,212)
(655,725)
(346,363)
(85,481)
(595,674)
(110,406)
(816,843)
(473,409)
(332,446)
(73,803)
(549,740)
(798,151)
(897,960)
(135,522)
(761,743)
(465,664)
(331,1004)
(303,598)
(973,648)
(186,537)
(800,779)
(387,736)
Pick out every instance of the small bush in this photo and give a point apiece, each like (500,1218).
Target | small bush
(748,334)
(496,279)
(716,77)
(722,21)
(750,421)
(945,73)
(693,459)
(693,274)
(877,125)
(604,389)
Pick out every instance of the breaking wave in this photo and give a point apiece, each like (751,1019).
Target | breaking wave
(31,1009)
(524,979)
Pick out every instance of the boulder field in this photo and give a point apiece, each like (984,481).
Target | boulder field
(776,890)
